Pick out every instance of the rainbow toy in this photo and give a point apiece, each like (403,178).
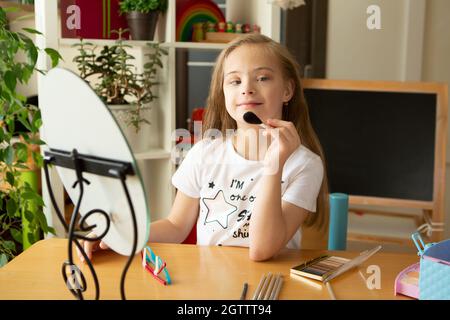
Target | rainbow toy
(192,11)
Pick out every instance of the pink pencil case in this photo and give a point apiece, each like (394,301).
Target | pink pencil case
(407,281)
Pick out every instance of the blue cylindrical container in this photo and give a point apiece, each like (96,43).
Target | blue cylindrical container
(337,236)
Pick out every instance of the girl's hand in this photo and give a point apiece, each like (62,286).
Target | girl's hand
(285,140)
(90,246)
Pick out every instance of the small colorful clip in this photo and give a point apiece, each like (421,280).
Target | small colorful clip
(149,259)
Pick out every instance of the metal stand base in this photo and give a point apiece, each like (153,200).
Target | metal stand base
(72,275)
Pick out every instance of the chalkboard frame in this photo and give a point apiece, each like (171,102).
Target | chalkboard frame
(434,208)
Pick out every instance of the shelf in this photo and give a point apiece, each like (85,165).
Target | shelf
(200,45)
(143,43)
(107,42)
(154,154)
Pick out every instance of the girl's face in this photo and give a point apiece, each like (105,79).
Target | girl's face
(253,81)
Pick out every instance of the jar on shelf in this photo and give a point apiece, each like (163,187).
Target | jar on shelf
(211,27)
(198,34)
(230,27)
(221,26)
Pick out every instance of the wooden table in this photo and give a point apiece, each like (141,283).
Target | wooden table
(197,272)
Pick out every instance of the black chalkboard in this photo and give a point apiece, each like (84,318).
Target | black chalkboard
(376,144)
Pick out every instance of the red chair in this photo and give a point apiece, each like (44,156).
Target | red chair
(192,237)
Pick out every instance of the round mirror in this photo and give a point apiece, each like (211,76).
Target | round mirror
(74,117)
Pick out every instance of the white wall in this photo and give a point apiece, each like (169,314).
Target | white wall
(436,66)
(266,15)
(357,53)
(30,88)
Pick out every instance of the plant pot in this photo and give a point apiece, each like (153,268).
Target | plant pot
(146,137)
(142,25)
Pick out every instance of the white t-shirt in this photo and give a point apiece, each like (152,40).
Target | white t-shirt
(227,185)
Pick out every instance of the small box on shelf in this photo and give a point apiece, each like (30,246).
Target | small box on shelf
(220,37)
(215,33)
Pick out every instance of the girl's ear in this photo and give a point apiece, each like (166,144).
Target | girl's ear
(289,90)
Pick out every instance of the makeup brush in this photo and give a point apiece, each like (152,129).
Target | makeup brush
(252,118)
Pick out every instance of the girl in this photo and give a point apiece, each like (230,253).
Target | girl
(234,195)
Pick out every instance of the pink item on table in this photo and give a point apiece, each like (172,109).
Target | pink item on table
(407,281)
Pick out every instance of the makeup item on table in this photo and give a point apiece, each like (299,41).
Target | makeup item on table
(326,267)
(319,268)
(407,281)
(258,289)
(330,290)
(244,291)
(252,118)
(269,287)
(154,265)
(277,288)
(307,281)
(264,287)
(353,263)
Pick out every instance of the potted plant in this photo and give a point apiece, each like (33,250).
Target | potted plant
(22,221)
(114,78)
(142,16)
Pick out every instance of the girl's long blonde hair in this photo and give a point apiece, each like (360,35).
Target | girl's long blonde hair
(217,117)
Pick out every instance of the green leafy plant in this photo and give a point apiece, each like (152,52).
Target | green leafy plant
(115,77)
(143,6)
(17,198)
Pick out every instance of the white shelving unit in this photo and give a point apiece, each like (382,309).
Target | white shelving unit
(155,164)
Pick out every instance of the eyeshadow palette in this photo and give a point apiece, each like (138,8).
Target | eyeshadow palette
(326,268)
(319,268)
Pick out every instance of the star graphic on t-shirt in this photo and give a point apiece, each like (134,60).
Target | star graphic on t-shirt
(211,185)
(218,209)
